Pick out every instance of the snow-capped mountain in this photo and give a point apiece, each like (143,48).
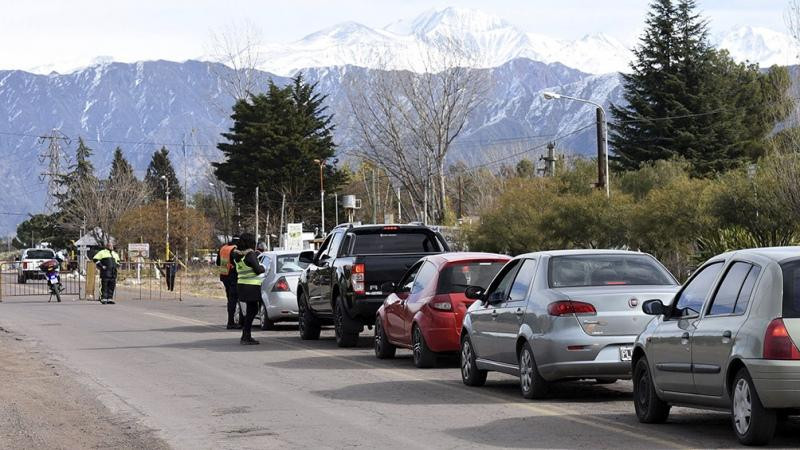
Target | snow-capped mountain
(761,45)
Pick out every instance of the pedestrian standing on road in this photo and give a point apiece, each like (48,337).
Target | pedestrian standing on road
(227,275)
(107,261)
(248,283)
(170,269)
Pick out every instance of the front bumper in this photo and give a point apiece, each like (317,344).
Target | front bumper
(777,382)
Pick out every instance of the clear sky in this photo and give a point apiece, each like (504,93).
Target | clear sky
(44,32)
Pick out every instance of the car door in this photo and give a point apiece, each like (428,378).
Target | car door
(314,275)
(511,313)
(327,272)
(669,348)
(484,326)
(716,331)
(396,302)
(420,293)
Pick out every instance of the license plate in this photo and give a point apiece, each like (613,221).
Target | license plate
(625,353)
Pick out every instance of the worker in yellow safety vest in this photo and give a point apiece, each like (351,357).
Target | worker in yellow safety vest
(248,282)
(227,275)
(107,261)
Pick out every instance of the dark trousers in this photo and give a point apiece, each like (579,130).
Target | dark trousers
(231,295)
(169,274)
(250,295)
(107,286)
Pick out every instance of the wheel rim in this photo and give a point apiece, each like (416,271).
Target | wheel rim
(417,345)
(466,360)
(742,406)
(526,370)
(378,337)
(643,386)
(301,323)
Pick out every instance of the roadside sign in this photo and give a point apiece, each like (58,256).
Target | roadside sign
(136,250)
(294,236)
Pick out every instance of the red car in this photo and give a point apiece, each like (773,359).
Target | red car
(424,311)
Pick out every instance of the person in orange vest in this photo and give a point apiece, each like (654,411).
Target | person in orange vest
(227,275)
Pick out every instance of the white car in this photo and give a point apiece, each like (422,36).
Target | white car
(29,261)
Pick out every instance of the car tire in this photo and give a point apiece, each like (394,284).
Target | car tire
(238,315)
(649,407)
(383,348)
(424,357)
(470,374)
(531,383)
(266,324)
(306,322)
(345,337)
(752,423)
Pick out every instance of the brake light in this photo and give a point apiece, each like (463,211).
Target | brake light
(357,278)
(565,307)
(281,285)
(777,342)
(442,306)
(390,228)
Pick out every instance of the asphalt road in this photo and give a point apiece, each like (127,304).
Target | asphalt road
(174,368)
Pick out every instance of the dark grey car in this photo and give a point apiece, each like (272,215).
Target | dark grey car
(571,314)
(728,341)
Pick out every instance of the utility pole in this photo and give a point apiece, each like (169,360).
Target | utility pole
(185,201)
(550,160)
(166,246)
(53,155)
(374,199)
(256,214)
(602,151)
(280,230)
(460,193)
(399,205)
(321,195)
(336,206)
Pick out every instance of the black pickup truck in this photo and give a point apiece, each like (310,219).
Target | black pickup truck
(342,283)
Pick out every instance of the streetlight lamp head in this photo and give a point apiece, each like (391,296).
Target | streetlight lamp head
(551,95)
(318,161)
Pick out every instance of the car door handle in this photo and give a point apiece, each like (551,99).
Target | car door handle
(685,336)
(494,313)
(519,312)
(727,334)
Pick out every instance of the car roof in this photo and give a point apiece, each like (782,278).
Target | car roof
(777,254)
(466,256)
(580,252)
(282,252)
(405,226)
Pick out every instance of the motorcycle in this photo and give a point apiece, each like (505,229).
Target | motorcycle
(51,274)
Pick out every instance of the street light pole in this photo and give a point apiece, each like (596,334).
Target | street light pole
(602,138)
(321,163)
(166,247)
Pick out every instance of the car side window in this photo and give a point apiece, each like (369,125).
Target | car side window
(323,249)
(724,300)
(408,279)
(691,298)
(424,277)
(523,281)
(333,250)
(503,280)
(747,290)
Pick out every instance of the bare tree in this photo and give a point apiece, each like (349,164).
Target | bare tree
(237,46)
(406,122)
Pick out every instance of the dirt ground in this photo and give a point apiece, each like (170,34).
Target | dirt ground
(44,406)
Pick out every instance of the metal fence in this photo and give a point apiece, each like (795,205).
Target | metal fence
(16,280)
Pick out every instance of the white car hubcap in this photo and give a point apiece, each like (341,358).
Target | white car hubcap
(525,371)
(466,363)
(742,406)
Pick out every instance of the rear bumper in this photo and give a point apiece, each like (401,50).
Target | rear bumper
(364,309)
(777,382)
(281,306)
(599,359)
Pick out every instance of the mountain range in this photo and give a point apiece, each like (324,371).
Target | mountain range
(183,105)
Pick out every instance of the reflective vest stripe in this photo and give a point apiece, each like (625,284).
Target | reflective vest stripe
(245,274)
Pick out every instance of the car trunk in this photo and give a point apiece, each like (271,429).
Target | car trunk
(292,279)
(619,308)
(379,269)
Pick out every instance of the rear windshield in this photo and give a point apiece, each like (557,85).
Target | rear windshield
(396,241)
(607,270)
(456,278)
(791,289)
(40,254)
(289,263)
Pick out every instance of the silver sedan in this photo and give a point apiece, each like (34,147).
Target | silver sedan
(279,287)
(558,315)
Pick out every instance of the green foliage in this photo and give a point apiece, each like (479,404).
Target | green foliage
(161,166)
(275,138)
(686,99)
(40,228)
(652,175)
(724,240)
(120,167)
(80,171)
(526,168)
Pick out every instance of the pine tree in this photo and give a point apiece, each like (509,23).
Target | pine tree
(686,99)
(120,167)
(161,166)
(80,172)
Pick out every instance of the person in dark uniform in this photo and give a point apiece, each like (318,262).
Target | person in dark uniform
(107,261)
(248,283)
(227,275)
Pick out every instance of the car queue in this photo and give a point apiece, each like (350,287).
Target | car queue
(725,340)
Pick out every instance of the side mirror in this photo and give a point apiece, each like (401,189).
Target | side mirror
(474,292)
(388,288)
(307,256)
(654,307)
(496,297)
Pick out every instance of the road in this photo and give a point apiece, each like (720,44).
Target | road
(174,369)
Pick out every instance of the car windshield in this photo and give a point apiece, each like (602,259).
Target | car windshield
(791,289)
(392,240)
(456,278)
(607,270)
(289,263)
(40,254)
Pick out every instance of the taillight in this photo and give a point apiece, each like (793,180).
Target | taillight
(777,342)
(357,278)
(442,306)
(281,285)
(565,307)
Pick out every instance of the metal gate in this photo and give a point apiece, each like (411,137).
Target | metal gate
(16,281)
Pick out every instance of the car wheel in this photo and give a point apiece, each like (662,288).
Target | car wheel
(424,357)
(531,383)
(345,337)
(238,315)
(753,424)
(649,408)
(266,324)
(470,374)
(383,348)
(306,322)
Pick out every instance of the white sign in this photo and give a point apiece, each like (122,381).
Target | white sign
(138,251)
(294,236)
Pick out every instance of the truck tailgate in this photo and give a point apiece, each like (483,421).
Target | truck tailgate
(379,269)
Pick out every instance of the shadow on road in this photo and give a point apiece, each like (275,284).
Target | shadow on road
(410,392)
(226,345)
